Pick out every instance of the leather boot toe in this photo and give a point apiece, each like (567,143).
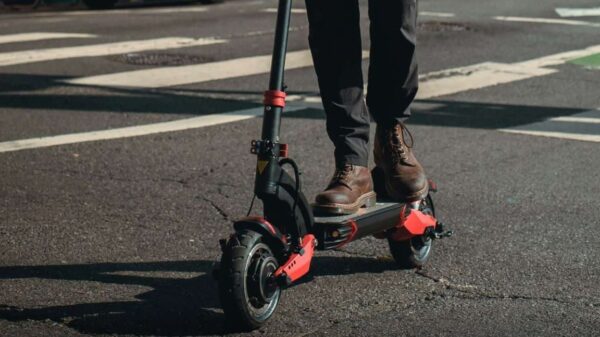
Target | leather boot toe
(350,189)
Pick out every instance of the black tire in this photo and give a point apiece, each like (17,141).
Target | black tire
(100,4)
(415,252)
(248,303)
(412,253)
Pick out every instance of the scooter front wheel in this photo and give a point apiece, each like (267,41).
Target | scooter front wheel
(249,293)
(414,252)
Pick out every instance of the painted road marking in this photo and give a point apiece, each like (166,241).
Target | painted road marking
(144,11)
(438,14)
(433,84)
(197,73)
(584,126)
(473,77)
(26,37)
(39,55)
(593,120)
(488,74)
(479,76)
(294,10)
(590,61)
(575,12)
(555,134)
(135,131)
(544,20)
(303,11)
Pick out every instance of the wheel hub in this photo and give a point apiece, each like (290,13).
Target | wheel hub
(262,284)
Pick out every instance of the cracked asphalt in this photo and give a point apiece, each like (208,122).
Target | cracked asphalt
(119,237)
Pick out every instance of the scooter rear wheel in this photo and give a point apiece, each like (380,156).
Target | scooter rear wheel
(249,293)
(414,252)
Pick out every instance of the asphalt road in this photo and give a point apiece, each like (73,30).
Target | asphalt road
(118,236)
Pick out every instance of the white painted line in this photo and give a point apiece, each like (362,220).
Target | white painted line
(577,12)
(433,84)
(473,77)
(135,131)
(26,37)
(294,10)
(438,14)
(544,20)
(581,126)
(131,11)
(560,58)
(478,76)
(164,10)
(198,73)
(553,134)
(590,120)
(39,55)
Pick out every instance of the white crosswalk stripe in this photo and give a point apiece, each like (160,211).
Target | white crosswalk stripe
(545,20)
(584,126)
(51,54)
(136,131)
(578,12)
(132,11)
(293,11)
(447,82)
(39,36)
(198,73)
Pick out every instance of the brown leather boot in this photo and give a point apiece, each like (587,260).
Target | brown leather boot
(350,189)
(405,179)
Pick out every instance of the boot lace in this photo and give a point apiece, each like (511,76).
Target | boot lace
(340,176)
(399,145)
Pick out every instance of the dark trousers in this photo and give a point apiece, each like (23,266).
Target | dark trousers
(335,43)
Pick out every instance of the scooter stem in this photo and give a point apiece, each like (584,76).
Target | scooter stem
(272,114)
(268,148)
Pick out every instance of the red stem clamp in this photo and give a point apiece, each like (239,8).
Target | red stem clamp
(274,98)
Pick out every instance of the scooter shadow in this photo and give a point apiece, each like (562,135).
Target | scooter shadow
(175,306)
(346,265)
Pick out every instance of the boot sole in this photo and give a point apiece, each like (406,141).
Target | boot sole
(366,200)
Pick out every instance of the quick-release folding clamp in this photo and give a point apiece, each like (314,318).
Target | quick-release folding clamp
(268,148)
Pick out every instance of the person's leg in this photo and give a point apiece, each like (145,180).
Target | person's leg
(393,71)
(334,38)
(393,85)
(335,43)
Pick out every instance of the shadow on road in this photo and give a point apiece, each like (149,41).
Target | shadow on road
(120,100)
(174,307)
(467,114)
(431,112)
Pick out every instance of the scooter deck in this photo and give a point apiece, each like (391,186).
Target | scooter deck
(364,212)
(336,231)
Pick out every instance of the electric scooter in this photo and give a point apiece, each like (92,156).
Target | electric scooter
(269,253)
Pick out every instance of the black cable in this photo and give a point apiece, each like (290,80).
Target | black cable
(251,205)
(293,164)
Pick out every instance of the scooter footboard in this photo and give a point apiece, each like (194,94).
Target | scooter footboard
(336,231)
